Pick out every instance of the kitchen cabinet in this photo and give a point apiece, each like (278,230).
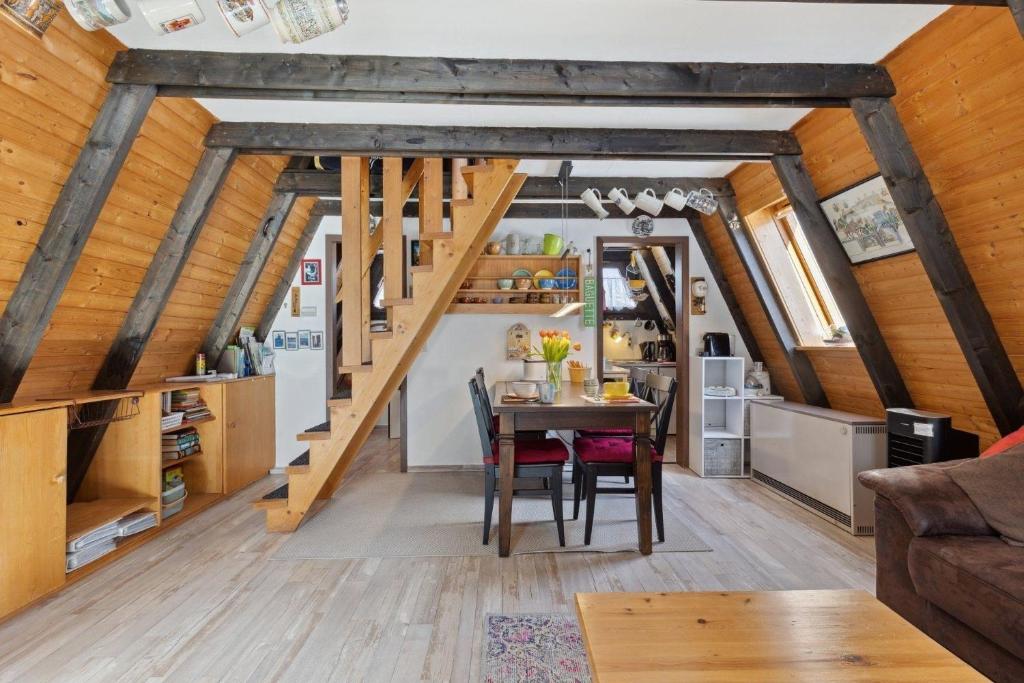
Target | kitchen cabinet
(249,434)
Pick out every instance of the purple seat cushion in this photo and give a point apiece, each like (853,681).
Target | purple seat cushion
(602,433)
(979,580)
(534,452)
(608,449)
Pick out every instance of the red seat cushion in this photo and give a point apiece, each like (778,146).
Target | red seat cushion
(534,452)
(609,449)
(600,433)
(1005,443)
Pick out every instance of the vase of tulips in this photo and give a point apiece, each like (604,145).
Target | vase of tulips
(555,346)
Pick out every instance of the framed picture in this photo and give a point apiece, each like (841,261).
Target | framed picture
(304,339)
(279,339)
(291,341)
(866,221)
(316,340)
(312,269)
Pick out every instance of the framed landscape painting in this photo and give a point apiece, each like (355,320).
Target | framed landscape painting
(866,221)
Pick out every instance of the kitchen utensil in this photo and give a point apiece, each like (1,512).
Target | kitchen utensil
(642,226)
(243,16)
(702,200)
(621,199)
(553,244)
(32,15)
(717,344)
(666,348)
(616,388)
(493,248)
(534,369)
(675,198)
(524,389)
(513,245)
(648,201)
(649,351)
(578,374)
(297,21)
(543,274)
(521,272)
(524,283)
(547,392)
(592,198)
(567,279)
(93,15)
(505,283)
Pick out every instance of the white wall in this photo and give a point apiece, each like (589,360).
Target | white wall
(441,429)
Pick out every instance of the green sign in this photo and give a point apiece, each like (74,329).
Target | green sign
(589,302)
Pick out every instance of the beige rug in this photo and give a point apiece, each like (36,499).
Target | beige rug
(440,514)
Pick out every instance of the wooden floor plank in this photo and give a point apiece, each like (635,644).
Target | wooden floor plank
(206,601)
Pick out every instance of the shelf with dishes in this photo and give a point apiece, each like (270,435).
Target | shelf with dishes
(519,284)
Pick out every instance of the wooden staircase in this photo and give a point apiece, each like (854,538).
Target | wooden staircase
(378,362)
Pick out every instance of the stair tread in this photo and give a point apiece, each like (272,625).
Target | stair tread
(280,493)
(422,269)
(406,301)
(348,369)
(436,235)
(322,427)
(477,168)
(301,460)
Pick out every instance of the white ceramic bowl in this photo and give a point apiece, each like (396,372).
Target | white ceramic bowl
(524,389)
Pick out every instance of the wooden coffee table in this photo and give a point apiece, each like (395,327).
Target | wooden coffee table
(841,635)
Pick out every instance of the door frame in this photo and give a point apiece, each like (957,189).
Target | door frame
(680,248)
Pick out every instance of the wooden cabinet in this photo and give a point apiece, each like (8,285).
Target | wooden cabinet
(33,448)
(249,434)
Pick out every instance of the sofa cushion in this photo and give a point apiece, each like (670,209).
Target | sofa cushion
(608,450)
(996,486)
(1010,440)
(931,502)
(533,452)
(977,579)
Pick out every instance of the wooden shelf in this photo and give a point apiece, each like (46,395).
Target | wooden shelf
(518,292)
(529,309)
(178,461)
(526,257)
(84,517)
(186,425)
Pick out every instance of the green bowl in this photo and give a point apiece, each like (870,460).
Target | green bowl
(553,245)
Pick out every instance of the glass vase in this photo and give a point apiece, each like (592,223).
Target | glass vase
(555,377)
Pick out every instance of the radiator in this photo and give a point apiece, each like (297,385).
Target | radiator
(812,456)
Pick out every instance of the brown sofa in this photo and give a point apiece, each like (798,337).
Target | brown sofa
(942,567)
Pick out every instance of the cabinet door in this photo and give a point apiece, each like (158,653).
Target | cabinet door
(249,434)
(33,506)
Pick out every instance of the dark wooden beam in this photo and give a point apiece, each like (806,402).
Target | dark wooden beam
(518,209)
(504,142)
(497,81)
(724,288)
(284,283)
(936,247)
(226,324)
(68,227)
(154,292)
(328,184)
(1017,11)
(835,266)
(771,302)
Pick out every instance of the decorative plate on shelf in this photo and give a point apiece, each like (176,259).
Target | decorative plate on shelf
(564,283)
(521,272)
(544,275)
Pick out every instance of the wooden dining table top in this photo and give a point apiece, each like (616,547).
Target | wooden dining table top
(571,399)
(764,636)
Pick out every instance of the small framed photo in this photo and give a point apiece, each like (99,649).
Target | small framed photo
(866,221)
(304,339)
(291,341)
(279,339)
(312,271)
(316,340)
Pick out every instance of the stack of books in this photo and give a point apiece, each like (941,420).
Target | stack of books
(171,420)
(91,546)
(188,402)
(180,444)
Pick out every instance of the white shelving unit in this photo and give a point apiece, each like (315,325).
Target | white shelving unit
(719,425)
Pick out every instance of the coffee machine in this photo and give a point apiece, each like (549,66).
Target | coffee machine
(649,351)
(666,349)
(717,344)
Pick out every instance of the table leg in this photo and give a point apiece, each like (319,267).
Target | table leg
(642,477)
(507,458)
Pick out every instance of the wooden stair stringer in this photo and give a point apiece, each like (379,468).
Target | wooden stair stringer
(371,391)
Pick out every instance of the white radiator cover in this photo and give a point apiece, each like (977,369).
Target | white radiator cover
(812,456)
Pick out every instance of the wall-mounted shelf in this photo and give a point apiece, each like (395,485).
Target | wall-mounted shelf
(178,461)
(527,309)
(84,517)
(186,425)
(488,270)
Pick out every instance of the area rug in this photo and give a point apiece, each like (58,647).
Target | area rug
(533,648)
(440,514)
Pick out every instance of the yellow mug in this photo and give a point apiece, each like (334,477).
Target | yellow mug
(617,388)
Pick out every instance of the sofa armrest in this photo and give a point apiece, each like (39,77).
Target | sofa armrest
(929,500)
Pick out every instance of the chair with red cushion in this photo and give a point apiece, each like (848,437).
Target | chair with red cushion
(612,456)
(485,396)
(637,387)
(538,464)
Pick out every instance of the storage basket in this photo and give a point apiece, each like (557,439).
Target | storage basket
(723,458)
(174,508)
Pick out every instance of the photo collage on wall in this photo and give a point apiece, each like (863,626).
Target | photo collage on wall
(301,340)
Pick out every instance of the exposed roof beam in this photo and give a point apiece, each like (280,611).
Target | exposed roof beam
(497,81)
(328,184)
(503,142)
(518,209)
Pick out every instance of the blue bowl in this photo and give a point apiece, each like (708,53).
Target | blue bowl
(564,283)
(547,283)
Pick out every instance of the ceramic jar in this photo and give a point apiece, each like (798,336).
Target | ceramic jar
(243,16)
(513,245)
(92,15)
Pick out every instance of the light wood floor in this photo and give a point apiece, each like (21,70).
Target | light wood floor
(206,603)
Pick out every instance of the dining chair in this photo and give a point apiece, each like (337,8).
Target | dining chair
(637,387)
(485,396)
(613,457)
(538,464)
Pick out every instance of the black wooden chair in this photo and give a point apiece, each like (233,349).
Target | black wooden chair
(612,456)
(485,396)
(538,464)
(637,387)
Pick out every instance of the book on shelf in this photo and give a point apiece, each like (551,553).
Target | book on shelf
(91,553)
(135,523)
(92,537)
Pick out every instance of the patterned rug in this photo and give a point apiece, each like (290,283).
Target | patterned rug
(534,648)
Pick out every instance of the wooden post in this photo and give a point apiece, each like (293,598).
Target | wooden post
(771,302)
(284,283)
(355,285)
(431,206)
(724,288)
(642,479)
(460,190)
(391,225)
(835,266)
(156,288)
(936,247)
(68,227)
(230,315)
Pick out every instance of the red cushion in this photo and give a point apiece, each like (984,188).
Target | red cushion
(608,450)
(598,433)
(1005,443)
(534,452)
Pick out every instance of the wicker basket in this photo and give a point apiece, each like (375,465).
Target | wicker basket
(723,458)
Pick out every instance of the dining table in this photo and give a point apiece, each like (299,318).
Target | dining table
(572,411)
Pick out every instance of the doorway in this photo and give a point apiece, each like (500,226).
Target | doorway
(630,314)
